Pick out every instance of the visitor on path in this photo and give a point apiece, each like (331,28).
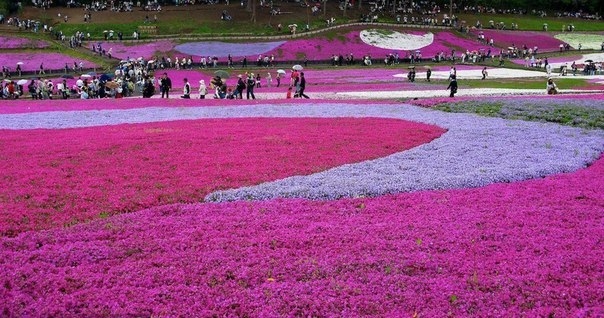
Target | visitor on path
(452,86)
(551,87)
(203,89)
(165,85)
(484,73)
(302,86)
(251,82)
(239,87)
(428,74)
(186,90)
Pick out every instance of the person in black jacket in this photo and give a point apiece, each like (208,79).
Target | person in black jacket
(452,86)
(165,85)
(251,82)
(302,86)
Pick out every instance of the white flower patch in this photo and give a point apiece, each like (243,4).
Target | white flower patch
(587,41)
(392,40)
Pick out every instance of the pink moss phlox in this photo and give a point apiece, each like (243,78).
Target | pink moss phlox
(73,175)
(531,248)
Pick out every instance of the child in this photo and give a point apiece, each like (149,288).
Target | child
(289,93)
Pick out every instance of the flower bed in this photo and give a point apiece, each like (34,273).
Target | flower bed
(76,175)
(587,41)
(526,249)
(10,42)
(31,62)
(504,39)
(323,48)
(146,50)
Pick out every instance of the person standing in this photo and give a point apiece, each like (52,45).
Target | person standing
(484,73)
(302,86)
(278,79)
(165,85)
(240,87)
(428,74)
(186,90)
(251,82)
(203,89)
(452,86)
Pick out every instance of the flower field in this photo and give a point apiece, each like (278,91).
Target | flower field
(31,62)
(423,213)
(377,197)
(587,41)
(298,49)
(9,42)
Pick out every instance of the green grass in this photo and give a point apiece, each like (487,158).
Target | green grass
(561,112)
(532,22)
(528,83)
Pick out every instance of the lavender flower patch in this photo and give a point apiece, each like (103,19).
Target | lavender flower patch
(476,151)
(223,49)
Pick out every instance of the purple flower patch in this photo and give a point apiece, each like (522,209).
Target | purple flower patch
(223,49)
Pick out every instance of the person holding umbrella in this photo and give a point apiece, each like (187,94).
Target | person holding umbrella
(165,84)
(452,86)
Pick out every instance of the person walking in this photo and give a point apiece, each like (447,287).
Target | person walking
(302,86)
(484,73)
(165,85)
(428,74)
(452,86)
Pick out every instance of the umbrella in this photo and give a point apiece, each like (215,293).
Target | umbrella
(91,73)
(427,66)
(410,67)
(418,51)
(281,71)
(112,85)
(20,63)
(8,80)
(80,82)
(151,61)
(105,31)
(510,47)
(222,73)
(297,67)
(22,82)
(106,77)
(85,76)
(589,61)
(67,76)
(293,25)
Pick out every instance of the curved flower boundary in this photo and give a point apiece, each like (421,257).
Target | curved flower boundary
(526,249)
(476,151)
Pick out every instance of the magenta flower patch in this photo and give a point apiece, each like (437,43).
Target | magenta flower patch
(31,62)
(525,249)
(75,175)
(9,42)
